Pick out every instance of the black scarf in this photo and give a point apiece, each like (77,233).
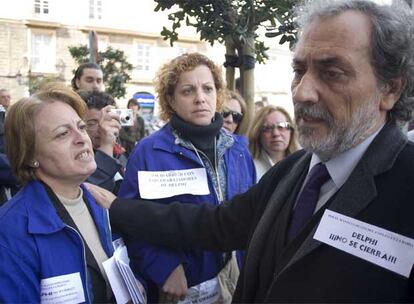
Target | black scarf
(202,137)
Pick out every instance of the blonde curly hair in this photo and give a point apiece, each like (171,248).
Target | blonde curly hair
(168,75)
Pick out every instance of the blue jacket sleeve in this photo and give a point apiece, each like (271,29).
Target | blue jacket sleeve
(18,280)
(106,168)
(155,263)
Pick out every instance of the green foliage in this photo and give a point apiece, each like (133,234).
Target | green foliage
(287,28)
(261,49)
(115,67)
(79,53)
(215,20)
(234,23)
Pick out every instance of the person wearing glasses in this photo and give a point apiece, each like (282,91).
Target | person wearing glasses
(234,109)
(271,138)
(103,128)
(192,159)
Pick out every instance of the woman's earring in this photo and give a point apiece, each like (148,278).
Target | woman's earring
(35,164)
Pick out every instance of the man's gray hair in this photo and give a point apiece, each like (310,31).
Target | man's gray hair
(392,42)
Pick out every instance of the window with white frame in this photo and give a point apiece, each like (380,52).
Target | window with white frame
(143,57)
(43,52)
(95,9)
(41,7)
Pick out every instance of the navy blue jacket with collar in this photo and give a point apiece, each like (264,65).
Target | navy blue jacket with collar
(35,244)
(160,152)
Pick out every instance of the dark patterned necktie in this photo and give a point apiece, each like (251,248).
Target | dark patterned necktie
(307,200)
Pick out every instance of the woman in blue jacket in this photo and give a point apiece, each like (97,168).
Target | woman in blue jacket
(192,159)
(53,235)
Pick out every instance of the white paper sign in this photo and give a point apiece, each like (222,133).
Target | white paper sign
(64,289)
(118,285)
(135,288)
(123,282)
(204,293)
(384,248)
(162,184)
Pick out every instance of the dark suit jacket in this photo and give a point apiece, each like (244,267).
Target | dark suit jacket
(379,191)
(7,179)
(106,168)
(2,138)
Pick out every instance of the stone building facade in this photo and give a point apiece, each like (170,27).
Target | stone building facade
(35,36)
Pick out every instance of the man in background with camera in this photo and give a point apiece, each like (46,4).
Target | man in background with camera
(103,128)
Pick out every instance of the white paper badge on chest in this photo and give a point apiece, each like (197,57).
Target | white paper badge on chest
(163,184)
(381,247)
(65,289)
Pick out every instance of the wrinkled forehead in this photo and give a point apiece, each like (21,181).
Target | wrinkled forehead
(343,34)
(51,115)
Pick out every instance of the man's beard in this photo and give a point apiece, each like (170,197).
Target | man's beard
(341,136)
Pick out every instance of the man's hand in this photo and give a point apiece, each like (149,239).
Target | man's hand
(102,196)
(109,130)
(175,288)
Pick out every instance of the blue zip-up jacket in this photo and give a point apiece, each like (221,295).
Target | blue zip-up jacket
(160,152)
(35,244)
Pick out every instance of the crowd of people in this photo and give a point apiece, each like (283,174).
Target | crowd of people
(310,208)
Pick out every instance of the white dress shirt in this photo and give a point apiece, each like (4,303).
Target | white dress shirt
(340,168)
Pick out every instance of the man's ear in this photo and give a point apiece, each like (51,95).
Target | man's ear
(392,93)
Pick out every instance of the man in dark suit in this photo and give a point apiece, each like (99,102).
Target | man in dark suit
(8,182)
(4,104)
(353,86)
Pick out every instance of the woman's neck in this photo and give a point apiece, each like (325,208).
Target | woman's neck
(276,156)
(66,189)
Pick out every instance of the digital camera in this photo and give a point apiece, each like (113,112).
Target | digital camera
(125,116)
